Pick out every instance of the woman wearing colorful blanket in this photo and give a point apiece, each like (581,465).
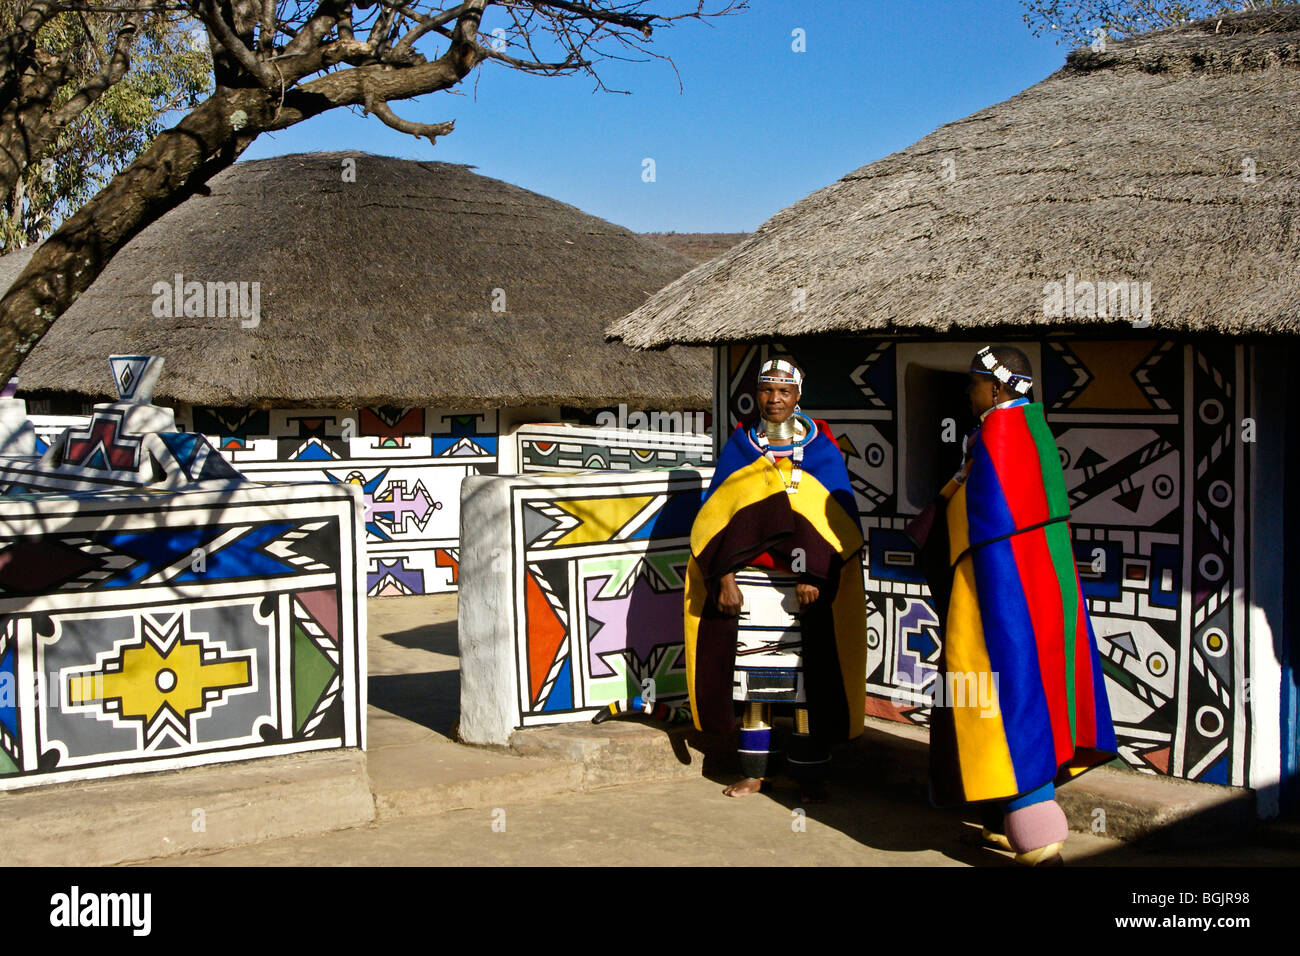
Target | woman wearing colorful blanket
(781,511)
(1015,618)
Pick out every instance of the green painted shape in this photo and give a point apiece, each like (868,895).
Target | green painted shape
(7,765)
(312,672)
(669,678)
(670,565)
(1118,674)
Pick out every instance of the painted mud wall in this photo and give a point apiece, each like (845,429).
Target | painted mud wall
(409,463)
(571,594)
(1150,434)
(658,442)
(116,656)
(158,610)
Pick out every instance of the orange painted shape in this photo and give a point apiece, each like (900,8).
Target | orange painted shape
(545,634)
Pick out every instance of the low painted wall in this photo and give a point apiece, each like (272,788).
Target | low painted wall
(571,594)
(409,462)
(146,631)
(657,443)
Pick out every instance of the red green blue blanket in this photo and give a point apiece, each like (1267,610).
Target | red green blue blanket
(1016,625)
(748,518)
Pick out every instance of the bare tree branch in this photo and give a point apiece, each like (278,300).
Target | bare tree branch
(430,131)
(223,34)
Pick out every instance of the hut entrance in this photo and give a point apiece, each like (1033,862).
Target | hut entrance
(937,418)
(934,415)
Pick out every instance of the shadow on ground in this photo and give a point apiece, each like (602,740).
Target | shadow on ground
(431,699)
(438,637)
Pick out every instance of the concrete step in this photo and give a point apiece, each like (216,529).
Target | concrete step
(147,816)
(1108,801)
(621,751)
(434,775)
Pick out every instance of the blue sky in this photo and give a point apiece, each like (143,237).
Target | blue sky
(754,127)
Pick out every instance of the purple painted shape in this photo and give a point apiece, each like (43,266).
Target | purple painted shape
(10,388)
(655,619)
(917,616)
(416,504)
(412,578)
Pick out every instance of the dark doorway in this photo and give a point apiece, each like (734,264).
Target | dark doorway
(938,418)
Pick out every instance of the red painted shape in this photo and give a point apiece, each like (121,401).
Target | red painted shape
(444,559)
(410,422)
(323,606)
(1158,759)
(102,432)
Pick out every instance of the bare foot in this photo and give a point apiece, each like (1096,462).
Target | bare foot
(745,787)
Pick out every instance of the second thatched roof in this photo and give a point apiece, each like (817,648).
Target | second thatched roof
(1172,158)
(381,282)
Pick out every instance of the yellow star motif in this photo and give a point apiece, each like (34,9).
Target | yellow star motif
(149,681)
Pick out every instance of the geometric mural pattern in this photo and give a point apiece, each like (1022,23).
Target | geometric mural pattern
(550,448)
(209,624)
(408,463)
(599,608)
(1149,445)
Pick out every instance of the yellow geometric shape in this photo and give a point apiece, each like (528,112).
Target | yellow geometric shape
(1111,365)
(149,681)
(600,518)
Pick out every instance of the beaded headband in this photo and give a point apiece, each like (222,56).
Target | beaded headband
(780,365)
(991,366)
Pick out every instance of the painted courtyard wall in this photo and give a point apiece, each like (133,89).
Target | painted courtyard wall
(158,610)
(571,594)
(99,597)
(409,462)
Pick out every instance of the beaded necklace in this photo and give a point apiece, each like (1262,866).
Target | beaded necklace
(796,452)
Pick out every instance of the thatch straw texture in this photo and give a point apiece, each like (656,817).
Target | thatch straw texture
(378,291)
(1171,159)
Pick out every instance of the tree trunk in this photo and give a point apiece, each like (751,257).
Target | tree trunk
(176,166)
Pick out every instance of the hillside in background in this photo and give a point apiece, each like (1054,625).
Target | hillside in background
(700,246)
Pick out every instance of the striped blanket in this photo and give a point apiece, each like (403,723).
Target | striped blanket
(1015,623)
(748,518)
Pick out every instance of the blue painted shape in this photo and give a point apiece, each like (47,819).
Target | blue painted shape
(1217,772)
(561,697)
(314,452)
(166,547)
(674,519)
(486,443)
(885,539)
(9,690)
(1108,585)
(922,643)
(96,460)
(184,446)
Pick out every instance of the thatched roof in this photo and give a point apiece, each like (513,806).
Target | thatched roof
(1126,165)
(377,292)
